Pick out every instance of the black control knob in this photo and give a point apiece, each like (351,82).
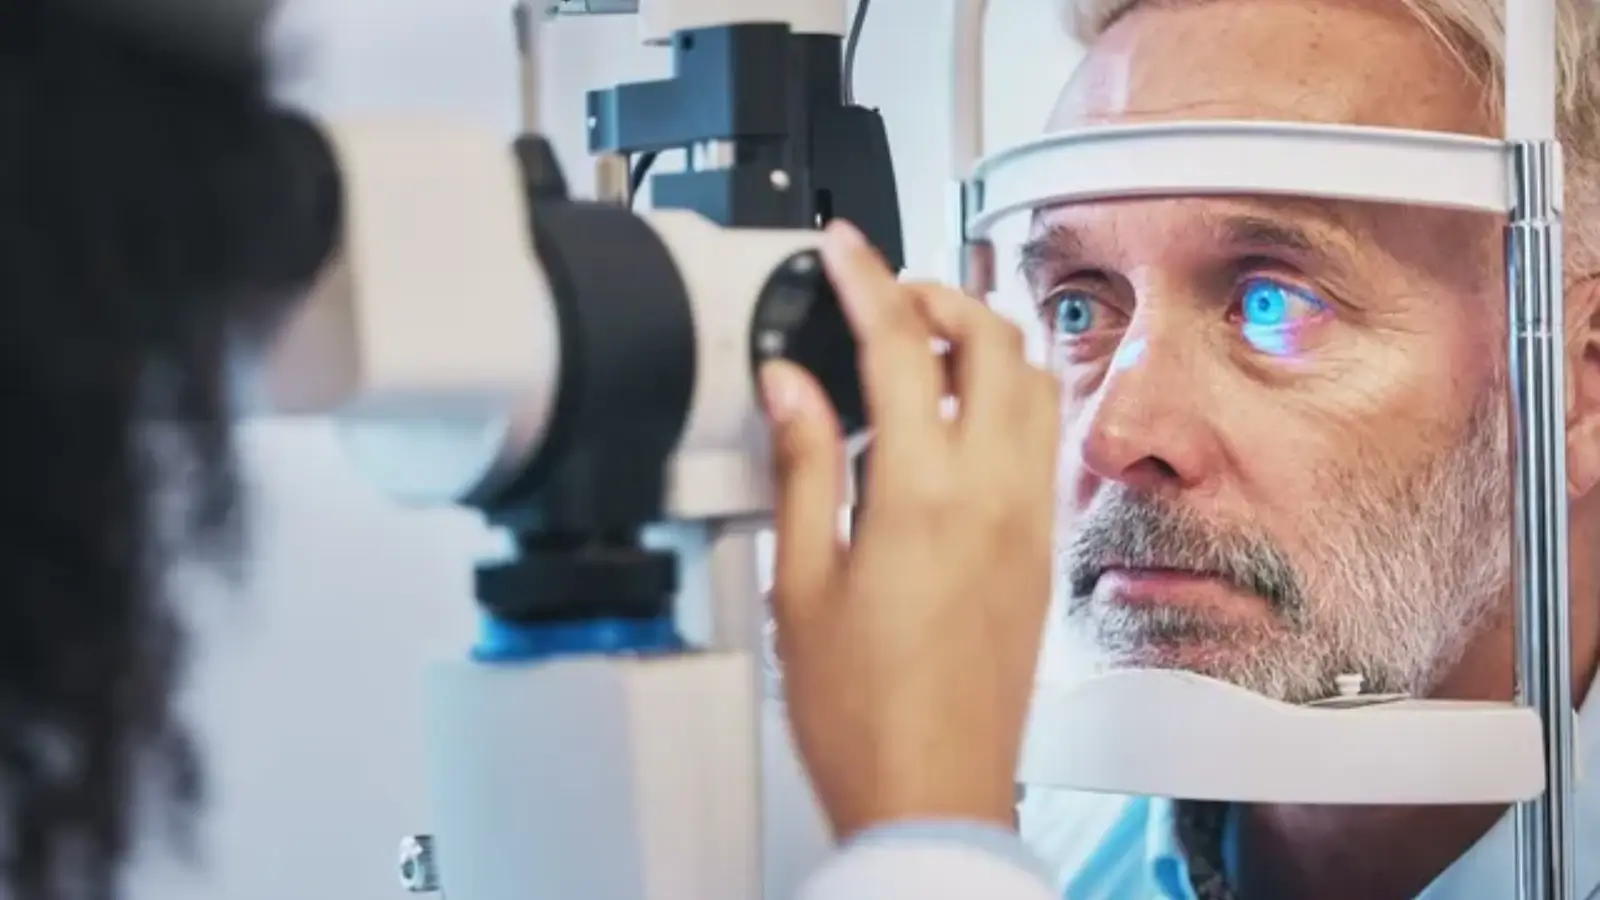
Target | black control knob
(798,318)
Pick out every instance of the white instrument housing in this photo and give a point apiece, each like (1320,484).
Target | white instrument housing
(1381,165)
(1176,734)
(723,465)
(437,242)
(660,19)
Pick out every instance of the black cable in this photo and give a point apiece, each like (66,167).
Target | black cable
(641,170)
(851,45)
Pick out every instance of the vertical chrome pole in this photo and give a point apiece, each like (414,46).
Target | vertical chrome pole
(739,626)
(1544,644)
(974,262)
(1536,315)
(613,179)
(525,18)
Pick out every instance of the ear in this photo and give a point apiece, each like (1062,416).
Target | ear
(1583,386)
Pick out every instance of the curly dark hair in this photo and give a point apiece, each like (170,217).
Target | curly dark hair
(143,208)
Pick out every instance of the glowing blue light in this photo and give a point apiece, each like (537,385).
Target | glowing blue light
(1272,315)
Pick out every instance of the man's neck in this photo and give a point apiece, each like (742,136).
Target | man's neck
(1338,852)
(1390,853)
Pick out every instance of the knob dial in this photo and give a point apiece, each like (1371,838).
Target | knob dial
(798,318)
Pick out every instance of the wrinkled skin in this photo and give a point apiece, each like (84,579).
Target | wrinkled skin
(1285,447)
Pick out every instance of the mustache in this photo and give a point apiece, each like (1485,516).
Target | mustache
(1137,531)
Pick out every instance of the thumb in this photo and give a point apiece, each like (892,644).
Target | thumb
(810,463)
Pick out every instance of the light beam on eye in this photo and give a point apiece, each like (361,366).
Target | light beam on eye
(1128,355)
(1273,314)
(1274,340)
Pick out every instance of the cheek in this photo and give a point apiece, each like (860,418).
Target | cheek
(1075,489)
(1355,426)
(1291,345)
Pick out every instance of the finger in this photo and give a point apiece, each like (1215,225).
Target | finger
(902,382)
(988,360)
(1046,400)
(809,457)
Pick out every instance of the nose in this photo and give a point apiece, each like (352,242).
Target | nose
(1146,425)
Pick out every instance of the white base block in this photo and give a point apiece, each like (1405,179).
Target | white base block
(1175,734)
(595,779)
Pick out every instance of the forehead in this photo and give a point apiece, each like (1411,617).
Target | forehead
(1342,241)
(1351,62)
(1100,229)
(1354,62)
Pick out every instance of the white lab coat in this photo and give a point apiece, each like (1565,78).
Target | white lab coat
(931,871)
(799,850)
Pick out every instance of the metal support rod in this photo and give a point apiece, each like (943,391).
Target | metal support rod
(974,262)
(613,179)
(1544,827)
(525,18)
(739,625)
(738,619)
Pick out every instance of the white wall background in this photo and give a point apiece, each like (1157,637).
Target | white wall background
(304,687)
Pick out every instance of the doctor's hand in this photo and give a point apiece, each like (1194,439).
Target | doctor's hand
(908,657)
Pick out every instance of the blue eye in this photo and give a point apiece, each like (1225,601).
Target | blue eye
(1271,311)
(1074,313)
(1269,304)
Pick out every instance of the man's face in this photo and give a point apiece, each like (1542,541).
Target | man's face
(1285,419)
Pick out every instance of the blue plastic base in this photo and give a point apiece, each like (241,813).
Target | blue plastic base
(509,642)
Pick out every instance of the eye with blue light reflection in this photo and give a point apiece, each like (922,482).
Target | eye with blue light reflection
(1270,312)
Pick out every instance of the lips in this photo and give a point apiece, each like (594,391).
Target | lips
(1163,587)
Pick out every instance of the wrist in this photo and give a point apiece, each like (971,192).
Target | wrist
(992,840)
(998,812)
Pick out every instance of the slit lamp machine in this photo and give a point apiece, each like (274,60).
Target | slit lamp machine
(598,381)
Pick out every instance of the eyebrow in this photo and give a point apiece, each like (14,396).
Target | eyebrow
(1061,246)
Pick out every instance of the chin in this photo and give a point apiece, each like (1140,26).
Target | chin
(1210,658)
(1249,666)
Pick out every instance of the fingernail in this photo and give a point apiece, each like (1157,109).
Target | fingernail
(844,235)
(842,246)
(780,391)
